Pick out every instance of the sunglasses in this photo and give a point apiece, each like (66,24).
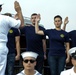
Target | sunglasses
(31,61)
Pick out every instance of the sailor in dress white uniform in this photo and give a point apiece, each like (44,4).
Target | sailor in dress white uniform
(71,71)
(6,23)
(29,63)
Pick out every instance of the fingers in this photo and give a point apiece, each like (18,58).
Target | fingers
(66,18)
(38,16)
(17,6)
(16,3)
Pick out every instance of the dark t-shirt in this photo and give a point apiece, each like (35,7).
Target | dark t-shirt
(33,40)
(72,36)
(56,41)
(13,32)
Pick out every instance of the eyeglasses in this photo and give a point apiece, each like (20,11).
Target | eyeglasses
(31,61)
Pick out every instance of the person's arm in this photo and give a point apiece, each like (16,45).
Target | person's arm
(68,56)
(19,12)
(65,23)
(17,40)
(37,30)
(44,47)
(16,16)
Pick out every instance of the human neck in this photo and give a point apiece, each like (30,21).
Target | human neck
(75,69)
(33,24)
(29,72)
(58,28)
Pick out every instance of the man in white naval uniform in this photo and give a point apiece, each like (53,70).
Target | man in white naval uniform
(71,71)
(5,24)
(29,63)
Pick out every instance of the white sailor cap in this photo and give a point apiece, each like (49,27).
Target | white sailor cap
(72,52)
(29,54)
(1,3)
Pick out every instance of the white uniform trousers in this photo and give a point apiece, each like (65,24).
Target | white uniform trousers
(3,58)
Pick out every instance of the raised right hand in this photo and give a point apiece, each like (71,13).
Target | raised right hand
(38,18)
(17,6)
(66,21)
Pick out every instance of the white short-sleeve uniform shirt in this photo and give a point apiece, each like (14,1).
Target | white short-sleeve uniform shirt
(6,23)
(68,72)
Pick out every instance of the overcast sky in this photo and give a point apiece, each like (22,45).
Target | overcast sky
(47,8)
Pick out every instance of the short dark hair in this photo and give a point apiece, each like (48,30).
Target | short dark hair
(58,16)
(34,14)
(8,14)
(0,6)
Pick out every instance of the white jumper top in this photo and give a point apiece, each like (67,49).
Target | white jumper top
(23,73)
(68,72)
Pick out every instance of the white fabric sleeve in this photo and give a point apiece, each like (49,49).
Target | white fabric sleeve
(13,22)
